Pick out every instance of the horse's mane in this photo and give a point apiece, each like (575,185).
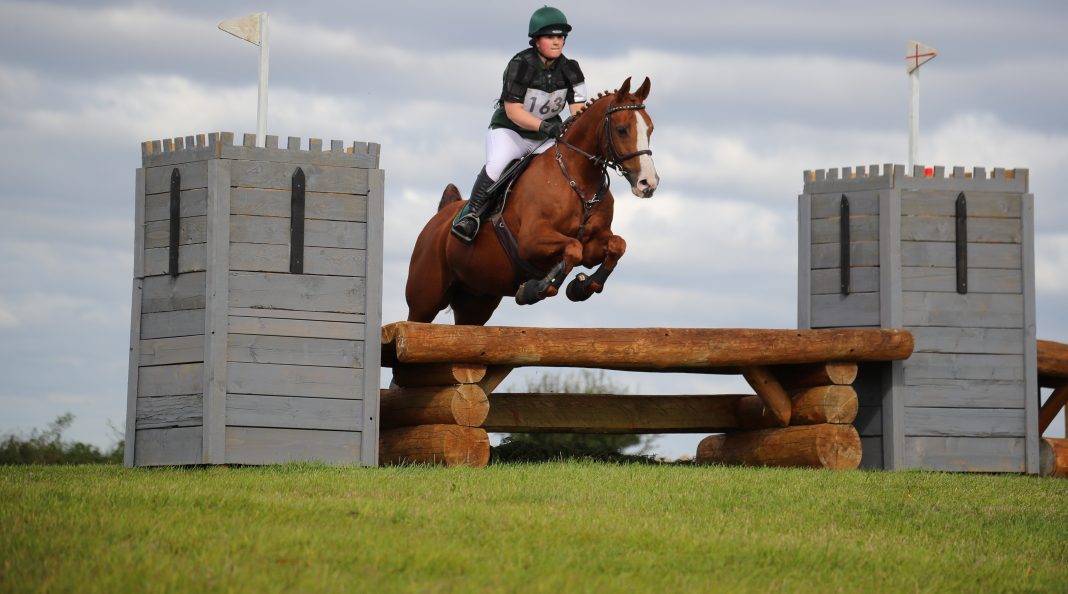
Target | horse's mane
(589,103)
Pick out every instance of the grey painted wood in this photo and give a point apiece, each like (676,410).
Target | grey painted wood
(218,290)
(319,178)
(170,380)
(992,341)
(871,453)
(288,350)
(861,228)
(944,203)
(168,351)
(193,203)
(191,258)
(317,205)
(317,233)
(295,380)
(849,186)
(261,257)
(300,292)
(964,422)
(862,279)
(971,310)
(980,229)
(963,366)
(255,445)
(174,293)
(869,421)
(290,327)
(135,317)
(187,322)
(944,254)
(298,315)
(861,253)
(186,410)
(971,454)
(1030,347)
(962,393)
(855,309)
(333,414)
(168,447)
(944,280)
(190,230)
(891,315)
(804,261)
(828,205)
(373,295)
(194,175)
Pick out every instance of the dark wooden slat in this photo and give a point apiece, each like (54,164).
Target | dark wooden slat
(296,224)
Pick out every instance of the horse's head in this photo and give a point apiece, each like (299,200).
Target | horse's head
(627,128)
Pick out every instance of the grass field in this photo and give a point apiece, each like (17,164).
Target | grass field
(560,527)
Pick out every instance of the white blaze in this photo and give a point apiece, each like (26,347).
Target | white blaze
(646,169)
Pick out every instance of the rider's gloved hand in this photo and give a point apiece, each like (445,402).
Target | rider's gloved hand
(550,128)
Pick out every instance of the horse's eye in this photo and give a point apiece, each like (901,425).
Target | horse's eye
(621,130)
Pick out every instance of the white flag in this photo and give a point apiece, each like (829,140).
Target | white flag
(246,27)
(917,54)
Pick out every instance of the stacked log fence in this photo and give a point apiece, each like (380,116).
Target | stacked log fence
(1053,373)
(442,404)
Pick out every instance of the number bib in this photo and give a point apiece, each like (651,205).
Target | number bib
(545,105)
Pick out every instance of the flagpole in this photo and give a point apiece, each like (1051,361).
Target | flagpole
(914,118)
(261,111)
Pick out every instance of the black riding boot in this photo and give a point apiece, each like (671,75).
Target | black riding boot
(467,227)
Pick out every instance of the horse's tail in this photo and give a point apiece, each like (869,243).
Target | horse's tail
(450,195)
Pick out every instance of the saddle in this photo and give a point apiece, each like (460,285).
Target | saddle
(493,214)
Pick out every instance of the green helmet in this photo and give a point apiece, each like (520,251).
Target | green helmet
(548,21)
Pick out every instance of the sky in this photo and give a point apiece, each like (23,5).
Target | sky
(745,97)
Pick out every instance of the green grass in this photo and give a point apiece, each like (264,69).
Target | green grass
(561,527)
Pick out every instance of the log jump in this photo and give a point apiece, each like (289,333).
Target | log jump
(1053,373)
(442,403)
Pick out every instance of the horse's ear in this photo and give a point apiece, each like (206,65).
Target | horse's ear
(643,91)
(623,88)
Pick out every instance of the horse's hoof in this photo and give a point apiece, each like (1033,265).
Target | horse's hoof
(578,289)
(527,294)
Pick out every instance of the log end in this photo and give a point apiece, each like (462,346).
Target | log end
(1053,457)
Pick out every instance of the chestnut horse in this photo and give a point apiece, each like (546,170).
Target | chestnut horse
(559,212)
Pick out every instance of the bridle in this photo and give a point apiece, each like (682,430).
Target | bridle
(611,159)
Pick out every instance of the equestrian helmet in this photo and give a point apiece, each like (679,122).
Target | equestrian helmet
(548,21)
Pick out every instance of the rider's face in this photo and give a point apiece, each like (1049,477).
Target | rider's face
(550,46)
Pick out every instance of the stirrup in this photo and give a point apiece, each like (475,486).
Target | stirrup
(458,231)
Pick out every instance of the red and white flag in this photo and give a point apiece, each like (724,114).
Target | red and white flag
(917,54)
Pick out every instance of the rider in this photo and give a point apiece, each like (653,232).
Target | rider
(538,83)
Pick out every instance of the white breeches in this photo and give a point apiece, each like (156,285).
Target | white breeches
(504,145)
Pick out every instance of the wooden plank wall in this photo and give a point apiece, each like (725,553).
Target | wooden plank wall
(296,346)
(829,307)
(965,406)
(168,410)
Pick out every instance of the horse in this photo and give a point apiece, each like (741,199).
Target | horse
(559,212)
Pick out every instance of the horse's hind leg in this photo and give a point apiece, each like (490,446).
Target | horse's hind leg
(472,310)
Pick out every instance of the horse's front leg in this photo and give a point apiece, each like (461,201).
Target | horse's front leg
(607,251)
(535,290)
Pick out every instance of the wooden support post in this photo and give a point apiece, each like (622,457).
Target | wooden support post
(495,375)
(770,391)
(1053,457)
(437,374)
(464,404)
(793,377)
(1057,400)
(813,446)
(449,445)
